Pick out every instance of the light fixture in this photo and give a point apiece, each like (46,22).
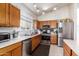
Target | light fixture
(45,8)
(35,5)
(54,8)
(43,13)
(38,10)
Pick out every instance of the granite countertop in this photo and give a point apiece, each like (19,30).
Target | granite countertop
(73,44)
(16,40)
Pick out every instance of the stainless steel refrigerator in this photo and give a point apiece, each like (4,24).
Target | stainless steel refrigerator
(65,30)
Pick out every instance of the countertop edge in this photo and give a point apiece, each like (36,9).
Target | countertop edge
(73,45)
(16,40)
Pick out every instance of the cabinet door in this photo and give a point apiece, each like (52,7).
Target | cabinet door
(17,51)
(7,54)
(2,14)
(67,50)
(53,39)
(36,41)
(38,25)
(7,14)
(53,24)
(66,53)
(73,53)
(41,24)
(14,16)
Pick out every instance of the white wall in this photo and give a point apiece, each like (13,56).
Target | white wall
(73,14)
(77,25)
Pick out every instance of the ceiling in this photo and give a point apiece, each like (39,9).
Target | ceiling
(44,7)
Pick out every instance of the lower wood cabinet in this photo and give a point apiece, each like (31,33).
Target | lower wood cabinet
(53,39)
(35,41)
(68,51)
(17,51)
(12,50)
(73,53)
(7,54)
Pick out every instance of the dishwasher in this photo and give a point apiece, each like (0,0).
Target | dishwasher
(27,47)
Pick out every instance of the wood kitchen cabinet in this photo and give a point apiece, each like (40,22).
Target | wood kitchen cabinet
(17,51)
(41,23)
(9,15)
(73,53)
(35,41)
(53,23)
(14,16)
(67,50)
(12,50)
(4,14)
(7,54)
(53,39)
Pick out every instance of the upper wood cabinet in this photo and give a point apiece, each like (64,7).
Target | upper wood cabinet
(53,23)
(9,15)
(14,16)
(41,23)
(4,14)
(38,25)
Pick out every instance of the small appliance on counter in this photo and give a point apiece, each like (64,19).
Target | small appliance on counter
(15,34)
(4,36)
(7,34)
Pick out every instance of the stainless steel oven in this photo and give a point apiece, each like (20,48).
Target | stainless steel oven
(4,36)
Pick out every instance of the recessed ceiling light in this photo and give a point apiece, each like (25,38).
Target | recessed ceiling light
(43,13)
(35,5)
(38,10)
(54,8)
(45,8)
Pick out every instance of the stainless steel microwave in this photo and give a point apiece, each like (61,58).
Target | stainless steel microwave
(4,36)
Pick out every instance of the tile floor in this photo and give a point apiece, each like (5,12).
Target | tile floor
(55,51)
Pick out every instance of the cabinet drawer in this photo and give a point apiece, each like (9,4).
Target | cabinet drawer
(67,48)
(53,39)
